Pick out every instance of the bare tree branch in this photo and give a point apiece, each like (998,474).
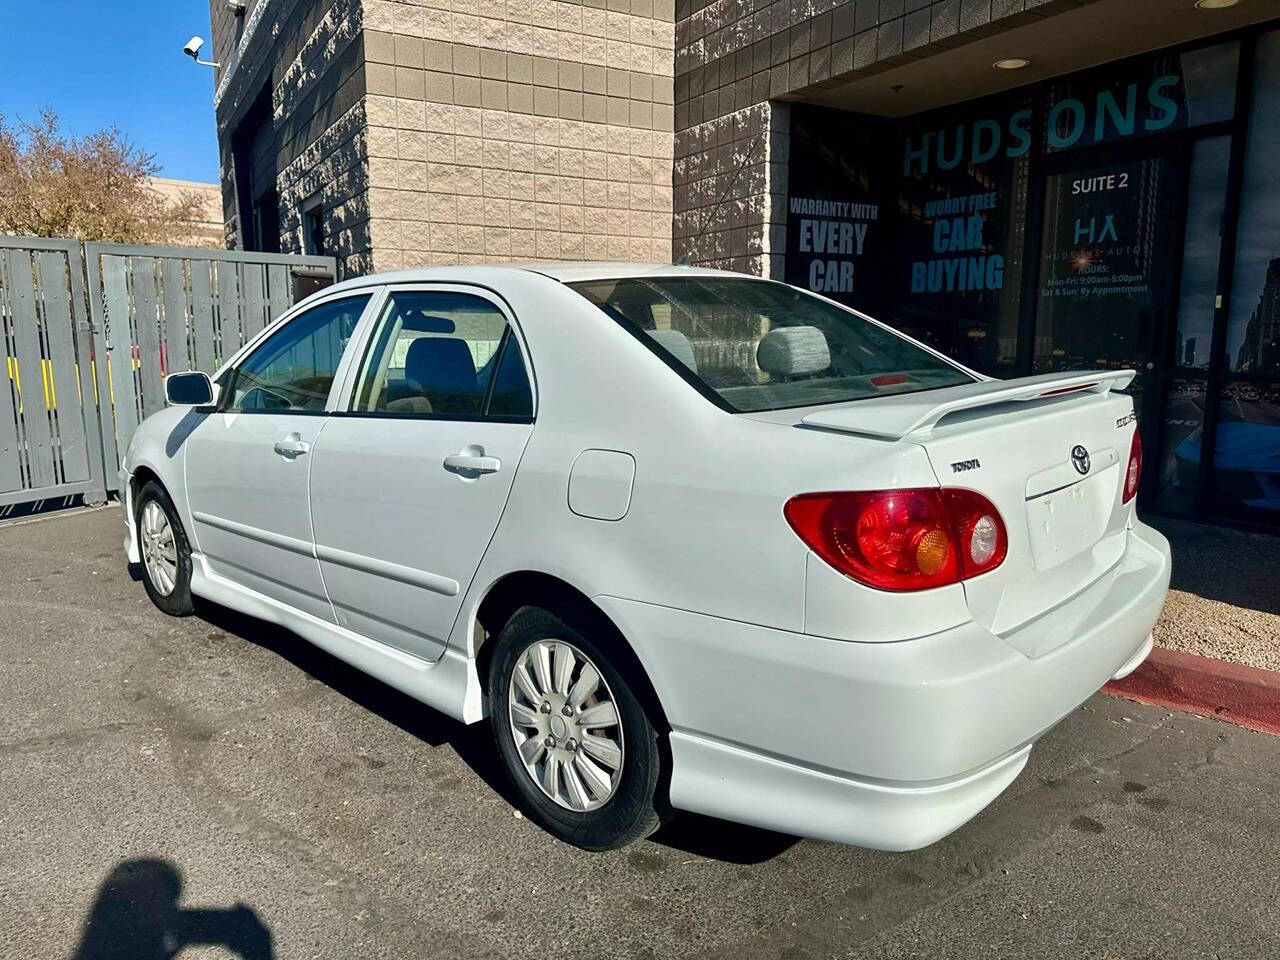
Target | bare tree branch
(93,188)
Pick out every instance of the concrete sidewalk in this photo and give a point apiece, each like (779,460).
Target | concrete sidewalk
(245,785)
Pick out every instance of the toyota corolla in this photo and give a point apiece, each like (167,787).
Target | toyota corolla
(688,540)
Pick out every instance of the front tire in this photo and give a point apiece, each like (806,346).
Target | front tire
(166,553)
(575,739)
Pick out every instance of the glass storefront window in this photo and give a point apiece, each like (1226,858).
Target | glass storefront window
(1246,457)
(1202,242)
(1104,264)
(1209,81)
(838,234)
(1115,182)
(1169,91)
(1253,332)
(1181,434)
(962,203)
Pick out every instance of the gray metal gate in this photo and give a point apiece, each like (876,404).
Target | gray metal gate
(164,310)
(50,441)
(83,367)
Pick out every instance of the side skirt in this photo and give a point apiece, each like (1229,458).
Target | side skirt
(450,684)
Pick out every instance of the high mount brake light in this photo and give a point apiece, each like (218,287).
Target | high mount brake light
(911,539)
(1133,472)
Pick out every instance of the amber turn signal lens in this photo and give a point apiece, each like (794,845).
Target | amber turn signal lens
(932,551)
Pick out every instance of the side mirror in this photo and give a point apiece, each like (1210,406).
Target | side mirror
(192,389)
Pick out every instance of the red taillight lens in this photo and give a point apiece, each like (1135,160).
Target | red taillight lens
(902,539)
(1133,472)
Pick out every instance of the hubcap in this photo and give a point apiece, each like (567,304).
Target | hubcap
(566,725)
(159,552)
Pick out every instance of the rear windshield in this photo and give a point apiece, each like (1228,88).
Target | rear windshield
(765,346)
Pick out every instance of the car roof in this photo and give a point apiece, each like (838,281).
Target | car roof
(563,271)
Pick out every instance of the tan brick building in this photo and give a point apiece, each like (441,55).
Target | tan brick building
(408,133)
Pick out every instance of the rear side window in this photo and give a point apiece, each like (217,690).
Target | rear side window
(292,371)
(437,354)
(755,345)
(511,395)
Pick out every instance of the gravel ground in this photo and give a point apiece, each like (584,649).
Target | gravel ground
(1224,601)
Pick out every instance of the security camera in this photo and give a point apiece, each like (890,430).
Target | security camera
(237,7)
(192,50)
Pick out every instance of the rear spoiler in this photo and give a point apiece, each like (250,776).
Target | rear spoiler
(897,416)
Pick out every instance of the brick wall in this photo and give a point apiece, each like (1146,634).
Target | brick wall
(533,129)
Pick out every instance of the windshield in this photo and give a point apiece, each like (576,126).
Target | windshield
(764,346)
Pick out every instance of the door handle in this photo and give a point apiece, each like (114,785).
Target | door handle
(292,446)
(472,462)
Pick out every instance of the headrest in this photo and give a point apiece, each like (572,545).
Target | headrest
(440,364)
(793,352)
(676,344)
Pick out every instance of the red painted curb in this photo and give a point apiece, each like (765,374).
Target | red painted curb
(1245,696)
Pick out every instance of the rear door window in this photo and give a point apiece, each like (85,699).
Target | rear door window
(441,354)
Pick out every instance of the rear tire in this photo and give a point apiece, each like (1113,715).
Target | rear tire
(557,714)
(165,551)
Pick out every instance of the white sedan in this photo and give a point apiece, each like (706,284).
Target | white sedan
(691,540)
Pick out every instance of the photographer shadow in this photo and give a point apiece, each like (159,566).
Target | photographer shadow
(136,917)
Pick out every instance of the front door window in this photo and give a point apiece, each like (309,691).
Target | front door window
(293,370)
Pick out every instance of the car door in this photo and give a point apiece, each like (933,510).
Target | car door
(408,482)
(247,464)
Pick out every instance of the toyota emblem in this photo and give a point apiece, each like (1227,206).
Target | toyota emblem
(1080,458)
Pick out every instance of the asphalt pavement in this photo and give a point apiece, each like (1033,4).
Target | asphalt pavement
(220,783)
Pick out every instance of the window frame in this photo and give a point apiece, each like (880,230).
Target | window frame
(263,339)
(313,206)
(345,402)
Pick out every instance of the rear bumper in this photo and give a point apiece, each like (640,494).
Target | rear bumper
(888,745)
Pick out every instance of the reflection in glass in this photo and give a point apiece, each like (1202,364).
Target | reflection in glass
(1178,465)
(1253,332)
(1206,195)
(1209,75)
(964,210)
(1246,457)
(1103,267)
(1134,98)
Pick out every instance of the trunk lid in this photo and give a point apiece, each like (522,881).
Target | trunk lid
(1018,443)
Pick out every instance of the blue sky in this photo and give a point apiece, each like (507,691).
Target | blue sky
(102,63)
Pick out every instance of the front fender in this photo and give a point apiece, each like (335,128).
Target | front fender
(158,449)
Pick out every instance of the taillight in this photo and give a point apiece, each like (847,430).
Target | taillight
(1133,472)
(910,539)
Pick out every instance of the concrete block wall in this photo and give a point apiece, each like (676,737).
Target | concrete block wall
(310,56)
(529,129)
(733,57)
(325,143)
(730,190)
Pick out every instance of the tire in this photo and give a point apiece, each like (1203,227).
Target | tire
(632,808)
(174,597)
